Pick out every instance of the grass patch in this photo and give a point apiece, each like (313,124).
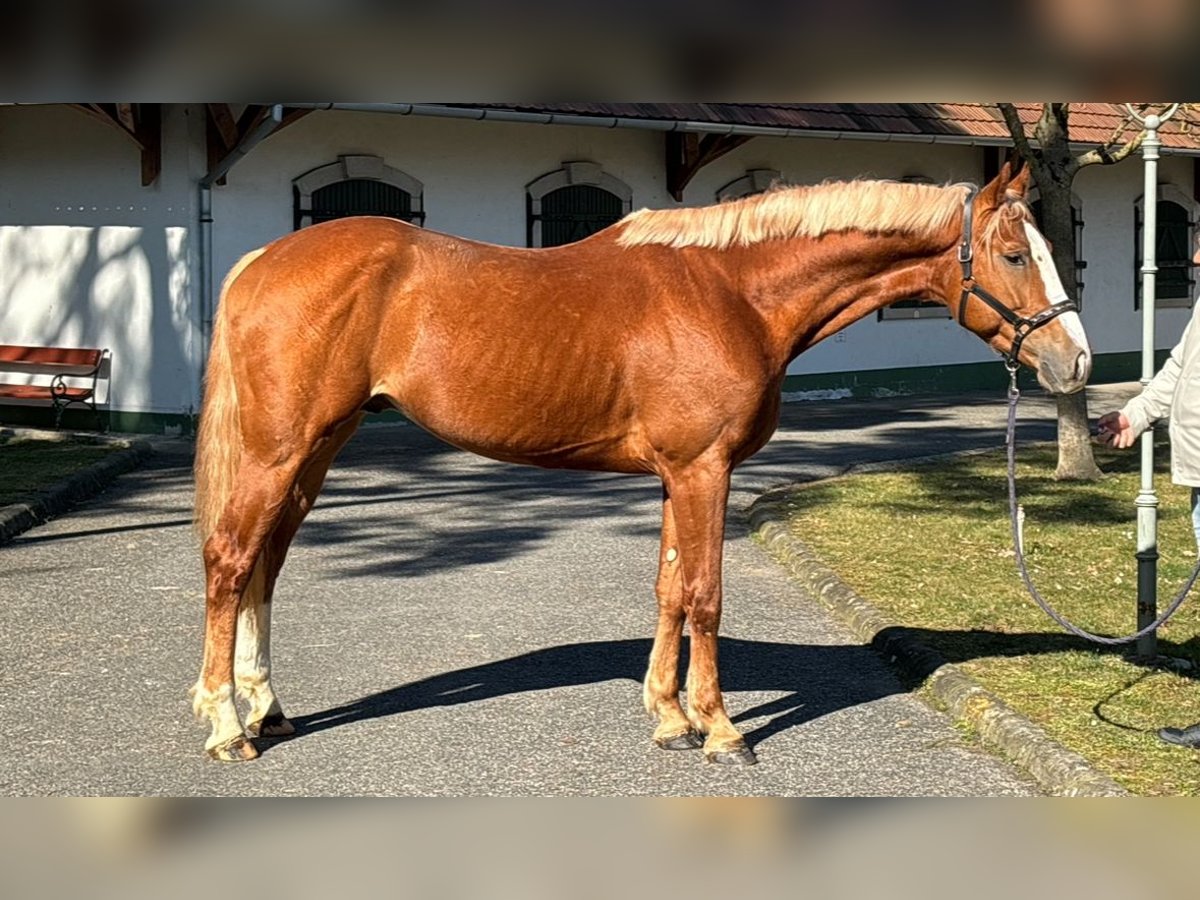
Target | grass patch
(931,546)
(29,465)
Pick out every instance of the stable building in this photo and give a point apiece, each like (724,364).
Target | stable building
(119,221)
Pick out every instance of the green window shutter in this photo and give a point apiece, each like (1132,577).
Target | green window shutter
(1173,252)
(572,213)
(358,197)
(1173,249)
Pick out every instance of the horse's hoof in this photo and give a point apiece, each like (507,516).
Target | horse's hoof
(689,740)
(238,749)
(271,725)
(737,756)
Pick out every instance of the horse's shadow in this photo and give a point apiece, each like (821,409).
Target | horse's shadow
(814,680)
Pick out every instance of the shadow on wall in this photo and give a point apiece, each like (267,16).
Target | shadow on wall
(123,287)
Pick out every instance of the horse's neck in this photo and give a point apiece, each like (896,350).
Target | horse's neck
(807,290)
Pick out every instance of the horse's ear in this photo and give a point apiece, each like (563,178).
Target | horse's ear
(1018,187)
(992,194)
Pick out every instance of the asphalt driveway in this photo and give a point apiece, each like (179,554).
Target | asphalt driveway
(450,625)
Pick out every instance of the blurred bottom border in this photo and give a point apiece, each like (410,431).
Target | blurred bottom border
(532,849)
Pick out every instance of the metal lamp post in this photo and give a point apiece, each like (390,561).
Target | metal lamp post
(1147,499)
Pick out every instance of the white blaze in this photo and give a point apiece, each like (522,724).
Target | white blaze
(1040,251)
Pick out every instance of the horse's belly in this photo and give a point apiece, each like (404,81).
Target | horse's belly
(560,403)
(574,437)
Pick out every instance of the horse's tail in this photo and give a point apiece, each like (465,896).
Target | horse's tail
(219,442)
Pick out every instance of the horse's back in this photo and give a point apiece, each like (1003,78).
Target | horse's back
(553,357)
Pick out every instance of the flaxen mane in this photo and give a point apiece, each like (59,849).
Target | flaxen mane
(875,206)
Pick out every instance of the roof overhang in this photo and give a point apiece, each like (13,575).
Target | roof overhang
(669,125)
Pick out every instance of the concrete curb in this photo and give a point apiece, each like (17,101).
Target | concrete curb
(82,485)
(1056,769)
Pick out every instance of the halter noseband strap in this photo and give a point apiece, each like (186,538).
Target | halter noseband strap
(1021,325)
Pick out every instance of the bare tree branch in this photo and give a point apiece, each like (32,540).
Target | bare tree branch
(1105,156)
(1121,129)
(1187,112)
(1016,130)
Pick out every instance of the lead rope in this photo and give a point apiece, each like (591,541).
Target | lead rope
(1017,514)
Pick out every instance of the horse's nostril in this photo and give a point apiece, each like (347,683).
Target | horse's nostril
(1082,366)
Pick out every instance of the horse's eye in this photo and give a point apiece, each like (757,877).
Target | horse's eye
(1014,259)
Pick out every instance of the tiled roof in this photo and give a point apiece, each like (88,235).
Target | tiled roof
(1090,123)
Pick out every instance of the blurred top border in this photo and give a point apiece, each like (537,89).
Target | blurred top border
(454,50)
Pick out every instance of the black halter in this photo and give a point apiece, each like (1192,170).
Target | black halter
(1021,325)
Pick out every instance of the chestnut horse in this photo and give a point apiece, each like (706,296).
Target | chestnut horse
(656,346)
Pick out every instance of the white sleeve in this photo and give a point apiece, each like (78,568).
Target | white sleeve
(1154,402)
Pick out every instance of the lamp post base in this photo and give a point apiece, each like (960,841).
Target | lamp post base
(1147,604)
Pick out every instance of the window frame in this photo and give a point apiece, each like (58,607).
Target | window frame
(571,174)
(1166,193)
(354,167)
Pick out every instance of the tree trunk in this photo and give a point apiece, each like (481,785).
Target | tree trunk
(1054,166)
(1076,462)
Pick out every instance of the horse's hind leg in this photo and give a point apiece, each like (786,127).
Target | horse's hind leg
(252,659)
(252,656)
(660,691)
(231,554)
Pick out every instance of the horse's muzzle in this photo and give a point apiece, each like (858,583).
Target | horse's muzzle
(1065,373)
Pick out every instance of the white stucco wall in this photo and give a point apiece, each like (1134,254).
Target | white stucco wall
(1108,194)
(475,173)
(89,257)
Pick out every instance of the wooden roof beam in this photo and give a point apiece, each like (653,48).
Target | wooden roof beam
(226,127)
(148,130)
(223,133)
(140,122)
(688,153)
(124,114)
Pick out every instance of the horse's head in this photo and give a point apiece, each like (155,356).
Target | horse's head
(1011,295)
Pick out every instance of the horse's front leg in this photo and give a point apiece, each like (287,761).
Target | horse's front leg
(661,689)
(700,495)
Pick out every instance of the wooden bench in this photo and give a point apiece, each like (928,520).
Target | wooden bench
(59,363)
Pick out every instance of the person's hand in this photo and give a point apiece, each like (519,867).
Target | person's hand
(1116,431)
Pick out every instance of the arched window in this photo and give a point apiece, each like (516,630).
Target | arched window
(755,181)
(573,202)
(914,307)
(1174,284)
(357,186)
(1035,206)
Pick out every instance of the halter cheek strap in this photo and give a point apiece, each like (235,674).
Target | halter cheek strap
(1022,326)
